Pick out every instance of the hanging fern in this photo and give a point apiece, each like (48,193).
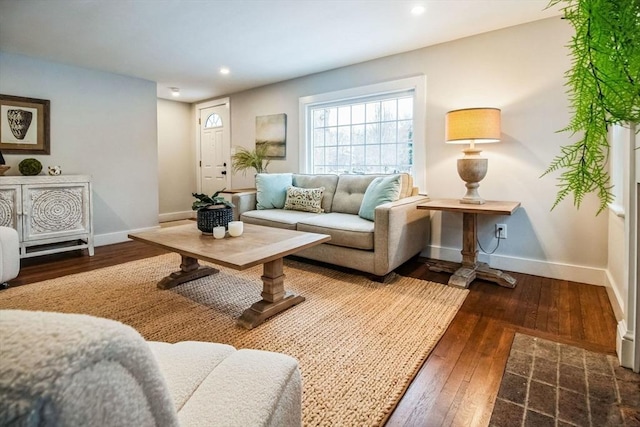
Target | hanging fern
(604,89)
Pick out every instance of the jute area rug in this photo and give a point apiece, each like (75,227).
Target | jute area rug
(359,343)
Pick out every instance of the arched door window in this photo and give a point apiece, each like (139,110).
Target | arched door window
(213,121)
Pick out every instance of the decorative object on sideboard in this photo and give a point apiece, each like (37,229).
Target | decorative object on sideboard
(271,132)
(472,126)
(244,159)
(24,125)
(3,165)
(29,167)
(212,211)
(55,170)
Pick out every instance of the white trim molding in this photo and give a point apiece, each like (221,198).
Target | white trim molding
(625,345)
(118,236)
(554,270)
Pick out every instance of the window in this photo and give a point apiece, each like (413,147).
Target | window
(367,130)
(373,135)
(213,121)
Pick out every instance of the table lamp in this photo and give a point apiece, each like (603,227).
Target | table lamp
(472,126)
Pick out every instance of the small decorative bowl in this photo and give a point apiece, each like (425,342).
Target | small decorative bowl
(4,168)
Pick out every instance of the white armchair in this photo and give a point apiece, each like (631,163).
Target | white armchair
(9,255)
(61,369)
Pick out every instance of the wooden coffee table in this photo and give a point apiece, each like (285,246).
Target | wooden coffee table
(257,245)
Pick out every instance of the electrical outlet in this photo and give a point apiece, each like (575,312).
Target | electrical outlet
(501,231)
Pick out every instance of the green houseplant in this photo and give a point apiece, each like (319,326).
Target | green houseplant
(212,211)
(245,159)
(604,89)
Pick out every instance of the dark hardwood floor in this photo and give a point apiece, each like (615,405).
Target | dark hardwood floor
(459,382)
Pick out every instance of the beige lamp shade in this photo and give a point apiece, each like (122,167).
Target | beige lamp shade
(473,125)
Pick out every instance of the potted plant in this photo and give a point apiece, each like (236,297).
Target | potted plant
(212,211)
(246,159)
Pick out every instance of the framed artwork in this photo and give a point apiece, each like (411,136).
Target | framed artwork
(272,131)
(24,125)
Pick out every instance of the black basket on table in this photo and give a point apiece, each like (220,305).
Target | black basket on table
(214,217)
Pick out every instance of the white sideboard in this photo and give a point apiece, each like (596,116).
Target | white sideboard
(51,213)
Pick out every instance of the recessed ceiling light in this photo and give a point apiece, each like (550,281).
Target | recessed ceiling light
(224,70)
(417,10)
(175,91)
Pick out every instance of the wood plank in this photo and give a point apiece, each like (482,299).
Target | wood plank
(575,310)
(532,304)
(482,390)
(491,207)
(564,309)
(553,313)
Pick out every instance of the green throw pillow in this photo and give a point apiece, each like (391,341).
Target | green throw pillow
(272,189)
(381,190)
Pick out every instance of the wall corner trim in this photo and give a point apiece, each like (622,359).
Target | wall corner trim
(625,346)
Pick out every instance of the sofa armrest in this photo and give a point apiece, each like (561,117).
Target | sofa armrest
(401,230)
(243,202)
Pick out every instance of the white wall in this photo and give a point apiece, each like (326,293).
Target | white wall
(176,160)
(518,69)
(103,125)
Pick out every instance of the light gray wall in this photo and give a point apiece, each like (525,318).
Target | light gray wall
(176,159)
(518,69)
(103,125)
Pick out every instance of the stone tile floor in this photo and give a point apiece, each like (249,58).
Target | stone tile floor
(551,384)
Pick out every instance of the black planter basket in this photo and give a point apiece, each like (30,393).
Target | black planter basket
(217,217)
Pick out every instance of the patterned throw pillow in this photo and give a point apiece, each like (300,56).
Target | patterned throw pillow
(304,199)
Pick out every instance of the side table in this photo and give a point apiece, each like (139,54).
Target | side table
(471,269)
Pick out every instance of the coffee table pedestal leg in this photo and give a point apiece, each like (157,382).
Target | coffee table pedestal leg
(190,269)
(274,298)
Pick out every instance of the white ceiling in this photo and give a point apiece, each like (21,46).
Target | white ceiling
(184,43)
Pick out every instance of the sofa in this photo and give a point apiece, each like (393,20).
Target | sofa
(395,232)
(76,370)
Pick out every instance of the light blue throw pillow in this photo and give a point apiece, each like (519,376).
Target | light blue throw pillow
(272,189)
(381,190)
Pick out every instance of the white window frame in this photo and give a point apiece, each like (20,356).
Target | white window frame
(416,83)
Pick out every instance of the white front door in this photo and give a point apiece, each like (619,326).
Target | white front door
(215,149)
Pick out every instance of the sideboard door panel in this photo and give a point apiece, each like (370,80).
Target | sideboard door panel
(55,210)
(11,206)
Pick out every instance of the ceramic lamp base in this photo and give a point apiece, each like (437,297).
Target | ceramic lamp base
(472,169)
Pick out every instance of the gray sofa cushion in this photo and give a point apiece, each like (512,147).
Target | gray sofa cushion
(349,193)
(346,230)
(279,218)
(328,181)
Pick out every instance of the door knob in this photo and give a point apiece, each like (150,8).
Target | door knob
(223,172)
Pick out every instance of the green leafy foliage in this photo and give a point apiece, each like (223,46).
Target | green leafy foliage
(245,159)
(203,201)
(30,167)
(604,89)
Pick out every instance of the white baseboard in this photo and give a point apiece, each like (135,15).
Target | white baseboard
(616,300)
(554,270)
(625,346)
(117,237)
(176,216)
